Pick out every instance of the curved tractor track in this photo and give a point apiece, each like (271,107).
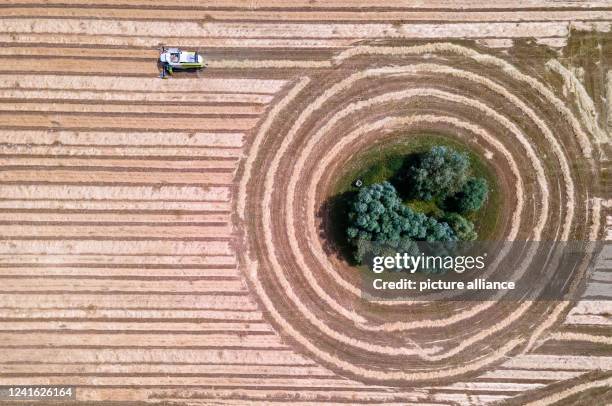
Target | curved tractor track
(378,93)
(164,240)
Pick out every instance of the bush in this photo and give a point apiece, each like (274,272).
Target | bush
(441,172)
(378,215)
(472,195)
(462,227)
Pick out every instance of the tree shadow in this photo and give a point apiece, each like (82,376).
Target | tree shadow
(334,222)
(401,179)
(451,203)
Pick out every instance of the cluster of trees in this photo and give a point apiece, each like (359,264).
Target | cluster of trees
(443,174)
(377,213)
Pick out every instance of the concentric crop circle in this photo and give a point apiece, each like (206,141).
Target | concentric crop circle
(375,95)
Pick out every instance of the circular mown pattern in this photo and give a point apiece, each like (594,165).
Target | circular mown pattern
(376,93)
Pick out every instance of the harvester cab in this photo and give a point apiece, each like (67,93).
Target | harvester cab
(172,59)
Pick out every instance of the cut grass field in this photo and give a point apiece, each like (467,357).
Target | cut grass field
(197,272)
(385,161)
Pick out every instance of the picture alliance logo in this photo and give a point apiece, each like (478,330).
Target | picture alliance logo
(404,262)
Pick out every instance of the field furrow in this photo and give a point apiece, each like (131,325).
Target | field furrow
(168,240)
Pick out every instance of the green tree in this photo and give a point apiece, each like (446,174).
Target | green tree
(440,172)
(462,227)
(472,195)
(378,216)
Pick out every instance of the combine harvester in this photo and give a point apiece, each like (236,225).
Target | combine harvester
(172,59)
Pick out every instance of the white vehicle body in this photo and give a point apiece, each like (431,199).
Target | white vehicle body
(176,59)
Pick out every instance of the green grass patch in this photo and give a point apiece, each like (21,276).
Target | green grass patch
(429,208)
(382,170)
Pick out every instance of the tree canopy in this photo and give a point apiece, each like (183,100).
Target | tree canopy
(462,227)
(472,195)
(378,215)
(439,173)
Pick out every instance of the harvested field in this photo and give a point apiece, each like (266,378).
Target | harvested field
(164,240)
